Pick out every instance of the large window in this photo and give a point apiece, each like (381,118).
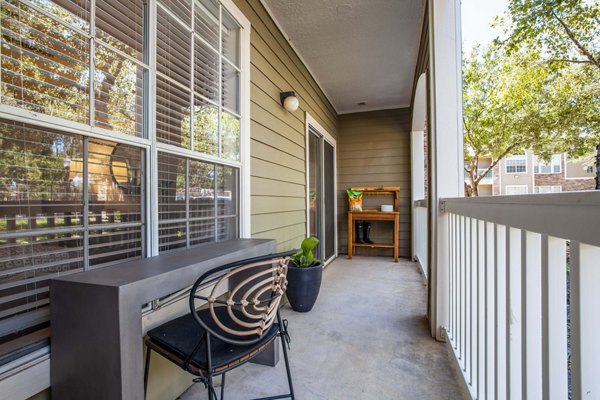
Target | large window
(67,204)
(553,167)
(547,189)
(48,49)
(516,189)
(516,164)
(77,76)
(198,78)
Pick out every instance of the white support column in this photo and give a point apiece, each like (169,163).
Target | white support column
(445,146)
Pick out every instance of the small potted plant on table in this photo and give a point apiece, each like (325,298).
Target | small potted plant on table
(304,277)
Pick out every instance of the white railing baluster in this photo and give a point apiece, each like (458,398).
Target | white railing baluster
(554,319)
(501,300)
(490,309)
(482,333)
(461,289)
(513,313)
(473,321)
(531,315)
(585,320)
(468,302)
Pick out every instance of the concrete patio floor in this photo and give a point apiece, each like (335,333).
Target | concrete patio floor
(366,338)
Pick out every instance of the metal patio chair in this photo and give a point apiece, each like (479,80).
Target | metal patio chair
(239,319)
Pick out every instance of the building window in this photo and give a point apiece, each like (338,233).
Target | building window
(47,53)
(516,189)
(198,79)
(553,167)
(198,109)
(198,202)
(68,203)
(516,164)
(547,189)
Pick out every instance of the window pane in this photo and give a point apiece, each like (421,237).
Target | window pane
(172,114)
(182,9)
(227,190)
(45,65)
(227,228)
(171,202)
(110,245)
(121,25)
(118,86)
(173,49)
(202,231)
(207,21)
(201,189)
(115,183)
(230,137)
(40,177)
(206,71)
(206,127)
(72,12)
(231,39)
(231,88)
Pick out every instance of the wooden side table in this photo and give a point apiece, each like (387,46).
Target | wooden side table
(374,215)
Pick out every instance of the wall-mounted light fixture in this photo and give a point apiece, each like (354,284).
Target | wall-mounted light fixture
(289,101)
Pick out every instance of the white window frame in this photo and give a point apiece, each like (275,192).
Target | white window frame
(547,189)
(538,164)
(514,187)
(516,157)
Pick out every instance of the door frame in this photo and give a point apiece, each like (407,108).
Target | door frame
(311,122)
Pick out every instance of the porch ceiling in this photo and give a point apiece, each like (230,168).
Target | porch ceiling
(358,51)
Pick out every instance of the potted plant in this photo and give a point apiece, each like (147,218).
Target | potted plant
(304,277)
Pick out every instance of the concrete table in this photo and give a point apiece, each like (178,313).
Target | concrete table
(96,317)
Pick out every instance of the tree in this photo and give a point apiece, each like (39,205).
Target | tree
(568,32)
(501,107)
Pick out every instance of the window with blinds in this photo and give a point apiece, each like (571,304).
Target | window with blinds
(67,203)
(198,78)
(198,202)
(48,49)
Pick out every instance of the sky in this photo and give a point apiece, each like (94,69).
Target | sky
(477,15)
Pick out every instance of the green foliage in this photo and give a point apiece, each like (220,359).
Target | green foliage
(305,258)
(538,89)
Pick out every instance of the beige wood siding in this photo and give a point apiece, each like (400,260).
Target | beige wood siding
(374,150)
(277,148)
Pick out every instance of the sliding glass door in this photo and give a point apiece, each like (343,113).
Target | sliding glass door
(321,193)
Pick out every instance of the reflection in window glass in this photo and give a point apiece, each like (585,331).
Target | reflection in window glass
(206,128)
(230,137)
(44,64)
(189,192)
(120,24)
(231,88)
(118,86)
(207,21)
(42,225)
(231,39)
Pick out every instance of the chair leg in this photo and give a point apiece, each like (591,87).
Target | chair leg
(222,386)
(287,369)
(147,370)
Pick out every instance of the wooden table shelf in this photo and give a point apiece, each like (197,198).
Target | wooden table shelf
(375,215)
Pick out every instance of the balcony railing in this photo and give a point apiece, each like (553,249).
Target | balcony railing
(488,178)
(524,291)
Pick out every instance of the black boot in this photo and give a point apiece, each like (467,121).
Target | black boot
(367,232)
(359,232)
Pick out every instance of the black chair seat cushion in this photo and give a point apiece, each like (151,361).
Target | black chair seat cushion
(176,339)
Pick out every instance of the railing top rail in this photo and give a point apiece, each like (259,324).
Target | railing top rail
(571,215)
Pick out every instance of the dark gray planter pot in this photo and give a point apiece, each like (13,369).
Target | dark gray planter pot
(303,286)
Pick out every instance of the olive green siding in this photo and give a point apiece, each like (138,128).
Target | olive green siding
(277,148)
(374,150)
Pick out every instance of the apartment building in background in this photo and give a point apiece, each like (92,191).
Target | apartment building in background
(526,173)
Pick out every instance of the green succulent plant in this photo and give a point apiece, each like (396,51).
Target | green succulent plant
(305,258)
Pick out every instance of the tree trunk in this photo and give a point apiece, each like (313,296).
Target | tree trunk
(598,167)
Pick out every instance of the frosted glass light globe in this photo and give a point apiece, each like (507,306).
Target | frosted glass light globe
(291,103)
